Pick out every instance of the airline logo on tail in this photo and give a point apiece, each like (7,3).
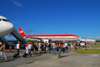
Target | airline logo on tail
(22,32)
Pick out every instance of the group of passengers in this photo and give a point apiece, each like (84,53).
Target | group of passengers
(44,47)
(41,47)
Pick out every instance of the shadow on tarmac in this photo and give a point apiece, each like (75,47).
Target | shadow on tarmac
(10,58)
(64,56)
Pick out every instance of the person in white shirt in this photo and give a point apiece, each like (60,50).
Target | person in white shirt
(66,46)
(29,48)
(54,48)
(39,44)
(18,47)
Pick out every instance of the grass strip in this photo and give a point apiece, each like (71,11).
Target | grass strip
(88,51)
(97,46)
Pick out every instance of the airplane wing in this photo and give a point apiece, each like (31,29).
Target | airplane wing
(33,38)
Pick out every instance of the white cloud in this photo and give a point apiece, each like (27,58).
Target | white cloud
(16,3)
(96,38)
(89,37)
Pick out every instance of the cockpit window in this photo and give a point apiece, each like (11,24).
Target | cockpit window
(0,19)
(5,20)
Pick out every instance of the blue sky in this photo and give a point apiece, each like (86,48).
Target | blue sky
(47,17)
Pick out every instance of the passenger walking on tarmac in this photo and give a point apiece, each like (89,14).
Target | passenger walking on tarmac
(45,46)
(1,49)
(49,46)
(3,52)
(66,46)
(63,49)
(54,48)
(59,47)
(42,47)
(18,47)
(29,48)
(79,45)
(76,45)
(36,48)
(32,49)
(0,44)
(39,44)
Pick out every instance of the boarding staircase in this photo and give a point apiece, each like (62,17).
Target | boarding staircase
(16,35)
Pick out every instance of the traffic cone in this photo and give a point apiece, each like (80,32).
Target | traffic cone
(10,48)
(85,47)
(75,47)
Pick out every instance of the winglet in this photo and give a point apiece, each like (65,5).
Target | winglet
(22,32)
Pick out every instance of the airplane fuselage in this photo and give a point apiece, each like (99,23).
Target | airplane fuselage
(54,37)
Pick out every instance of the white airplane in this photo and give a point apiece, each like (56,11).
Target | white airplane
(5,26)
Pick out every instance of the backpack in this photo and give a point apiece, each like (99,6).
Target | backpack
(59,46)
(49,45)
(1,48)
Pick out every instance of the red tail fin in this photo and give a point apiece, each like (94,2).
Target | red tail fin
(22,32)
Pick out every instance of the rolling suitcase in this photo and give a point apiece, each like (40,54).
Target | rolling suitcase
(25,55)
(15,55)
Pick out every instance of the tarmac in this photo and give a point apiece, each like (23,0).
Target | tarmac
(68,59)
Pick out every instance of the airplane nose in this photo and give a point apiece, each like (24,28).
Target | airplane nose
(9,26)
(5,28)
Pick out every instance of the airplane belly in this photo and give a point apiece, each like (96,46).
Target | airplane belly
(65,39)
